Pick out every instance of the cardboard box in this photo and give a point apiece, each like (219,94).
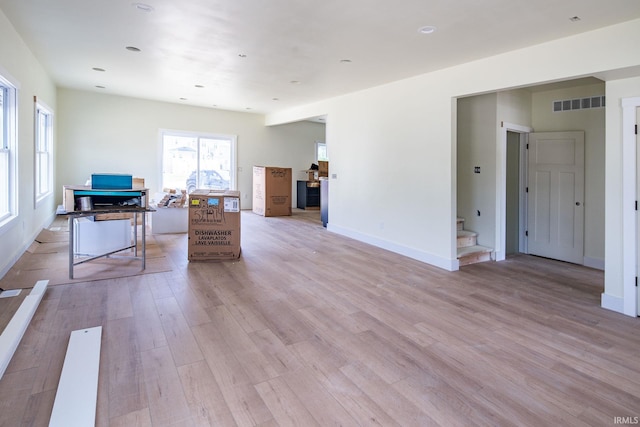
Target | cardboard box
(323,168)
(214,225)
(272,191)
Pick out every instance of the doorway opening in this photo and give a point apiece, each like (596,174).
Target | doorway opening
(511,218)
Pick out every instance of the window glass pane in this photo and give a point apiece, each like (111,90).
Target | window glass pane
(197,161)
(43,145)
(4,184)
(179,160)
(5,177)
(3,116)
(215,164)
(321,151)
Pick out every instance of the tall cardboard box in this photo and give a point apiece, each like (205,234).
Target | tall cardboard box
(272,191)
(323,169)
(214,225)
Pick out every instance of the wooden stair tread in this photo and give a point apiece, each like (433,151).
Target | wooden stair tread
(467,233)
(472,250)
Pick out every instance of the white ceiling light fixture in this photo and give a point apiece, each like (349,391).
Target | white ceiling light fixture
(427,29)
(143,7)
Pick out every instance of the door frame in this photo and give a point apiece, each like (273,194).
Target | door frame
(501,188)
(629,197)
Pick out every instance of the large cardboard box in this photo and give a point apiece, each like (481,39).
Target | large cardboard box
(214,225)
(272,191)
(323,168)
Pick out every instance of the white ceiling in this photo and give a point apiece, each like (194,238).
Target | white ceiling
(293,48)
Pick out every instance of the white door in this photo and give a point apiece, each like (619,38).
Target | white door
(556,195)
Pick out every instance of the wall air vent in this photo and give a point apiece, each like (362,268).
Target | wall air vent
(578,104)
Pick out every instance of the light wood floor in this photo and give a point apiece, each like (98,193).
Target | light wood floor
(310,328)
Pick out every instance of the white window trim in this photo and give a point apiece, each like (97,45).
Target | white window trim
(233,182)
(12,120)
(39,198)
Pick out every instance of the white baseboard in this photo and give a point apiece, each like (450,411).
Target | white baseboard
(597,263)
(446,264)
(14,331)
(612,303)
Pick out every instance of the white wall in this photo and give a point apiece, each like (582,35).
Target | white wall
(620,271)
(479,125)
(17,61)
(393,146)
(476,144)
(592,122)
(115,134)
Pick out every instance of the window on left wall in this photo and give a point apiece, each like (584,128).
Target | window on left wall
(43,151)
(8,145)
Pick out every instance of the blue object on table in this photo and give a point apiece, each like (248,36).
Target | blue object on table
(111,181)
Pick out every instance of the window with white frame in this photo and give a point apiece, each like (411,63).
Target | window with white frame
(321,151)
(193,160)
(43,151)
(8,120)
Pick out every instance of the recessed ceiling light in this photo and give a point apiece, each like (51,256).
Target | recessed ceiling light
(98,69)
(427,29)
(574,19)
(143,7)
(132,49)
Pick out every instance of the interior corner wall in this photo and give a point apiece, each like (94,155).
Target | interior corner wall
(615,270)
(476,148)
(116,134)
(592,122)
(18,62)
(393,147)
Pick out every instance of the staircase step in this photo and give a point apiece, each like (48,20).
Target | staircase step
(466,238)
(460,223)
(473,254)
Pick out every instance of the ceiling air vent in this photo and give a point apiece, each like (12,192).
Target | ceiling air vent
(578,104)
